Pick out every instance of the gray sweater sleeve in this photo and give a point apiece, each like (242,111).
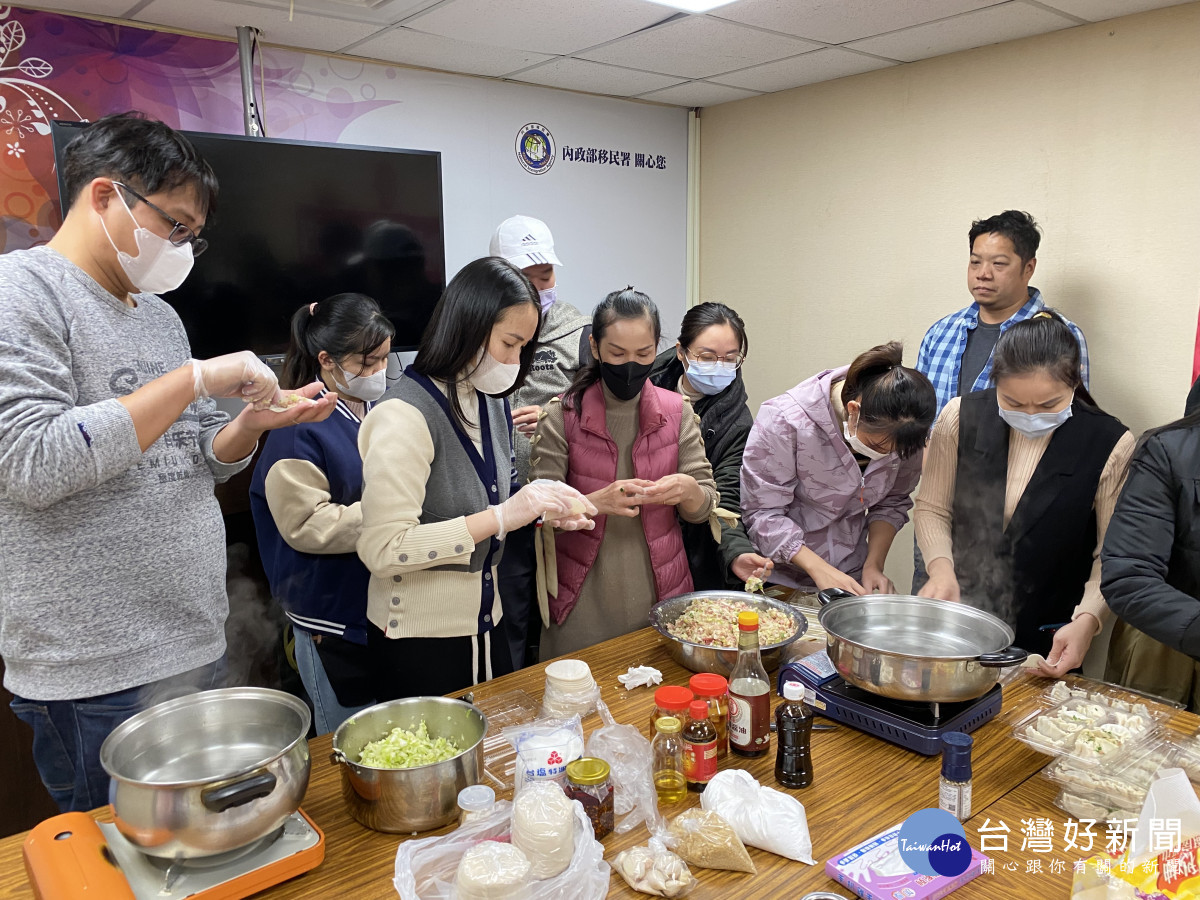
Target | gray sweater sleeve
(49,447)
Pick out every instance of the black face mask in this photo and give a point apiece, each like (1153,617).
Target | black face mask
(626,380)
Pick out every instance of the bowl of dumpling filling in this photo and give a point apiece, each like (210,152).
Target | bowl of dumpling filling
(403,762)
(702,631)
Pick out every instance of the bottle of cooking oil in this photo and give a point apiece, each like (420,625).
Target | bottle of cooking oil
(669,780)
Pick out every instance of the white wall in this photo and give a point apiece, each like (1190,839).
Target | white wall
(835,216)
(613,225)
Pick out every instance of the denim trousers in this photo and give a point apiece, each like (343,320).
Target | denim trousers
(328,714)
(67,734)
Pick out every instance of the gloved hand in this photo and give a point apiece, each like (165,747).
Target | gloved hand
(239,375)
(562,505)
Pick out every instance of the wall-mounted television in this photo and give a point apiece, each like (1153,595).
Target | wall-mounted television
(298,221)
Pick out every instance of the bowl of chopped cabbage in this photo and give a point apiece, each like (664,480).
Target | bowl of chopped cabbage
(701,628)
(404,761)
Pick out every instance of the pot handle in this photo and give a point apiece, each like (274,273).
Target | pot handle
(828,595)
(338,758)
(237,793)
(1004,658)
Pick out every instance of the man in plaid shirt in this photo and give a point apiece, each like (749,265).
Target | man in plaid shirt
(956,353)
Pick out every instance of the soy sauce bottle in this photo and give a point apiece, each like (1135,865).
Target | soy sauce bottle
(749,693)
(793,728)
(699,748)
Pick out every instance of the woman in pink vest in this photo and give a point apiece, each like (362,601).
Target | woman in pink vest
(635,451)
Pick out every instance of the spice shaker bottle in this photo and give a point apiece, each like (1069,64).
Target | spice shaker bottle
(954,789)
(670,700)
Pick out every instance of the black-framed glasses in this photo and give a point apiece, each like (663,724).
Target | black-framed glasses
(708,358)
(180,233)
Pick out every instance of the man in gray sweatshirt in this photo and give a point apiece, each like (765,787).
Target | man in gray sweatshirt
(112,588)
(561,351)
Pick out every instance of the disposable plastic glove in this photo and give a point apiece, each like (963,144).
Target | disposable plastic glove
(239,375)
(562,505)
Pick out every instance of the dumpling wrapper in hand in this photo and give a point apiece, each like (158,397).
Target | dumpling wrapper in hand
(706,840)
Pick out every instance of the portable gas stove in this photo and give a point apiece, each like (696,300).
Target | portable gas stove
(914,726)
(73,856)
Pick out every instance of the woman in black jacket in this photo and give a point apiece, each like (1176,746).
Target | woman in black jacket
(705,365)
(1151,566)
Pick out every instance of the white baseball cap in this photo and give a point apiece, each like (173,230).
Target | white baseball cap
(524,242)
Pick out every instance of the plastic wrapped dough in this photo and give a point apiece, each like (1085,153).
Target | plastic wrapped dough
(493,871)
(543,827)
(654,870)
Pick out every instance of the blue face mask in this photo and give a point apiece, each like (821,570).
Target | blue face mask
(709,378)
(1035,425)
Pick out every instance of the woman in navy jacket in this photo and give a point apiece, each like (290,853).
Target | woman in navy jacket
(305,500)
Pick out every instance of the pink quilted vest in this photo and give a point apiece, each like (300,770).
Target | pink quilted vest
(592,465)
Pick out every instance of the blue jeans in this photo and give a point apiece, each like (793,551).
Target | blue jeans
(67,734)
(328,714)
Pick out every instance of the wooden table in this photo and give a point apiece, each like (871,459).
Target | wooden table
(863,785)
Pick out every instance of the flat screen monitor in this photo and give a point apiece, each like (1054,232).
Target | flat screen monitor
(298,221)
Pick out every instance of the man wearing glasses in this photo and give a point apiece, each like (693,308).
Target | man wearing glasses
(112,577)
(705,366)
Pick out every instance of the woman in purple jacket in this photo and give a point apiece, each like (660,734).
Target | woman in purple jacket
(829,467)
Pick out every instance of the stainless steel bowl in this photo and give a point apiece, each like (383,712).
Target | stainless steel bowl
(913,648)
(422,797)
(208,773)
(720,660)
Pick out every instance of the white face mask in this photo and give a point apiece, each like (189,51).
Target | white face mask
(1035,425)
(548,297)
(858,446)
(492,376)
(368,388)
(159,266)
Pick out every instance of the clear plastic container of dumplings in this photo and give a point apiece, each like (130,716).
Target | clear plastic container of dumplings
(1082,805)
(1120,784)
(1087,731)
(1077,687)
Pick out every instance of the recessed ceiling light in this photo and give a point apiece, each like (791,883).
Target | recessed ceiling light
(693,6)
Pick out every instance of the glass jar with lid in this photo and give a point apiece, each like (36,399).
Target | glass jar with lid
(670,700)
(588,782)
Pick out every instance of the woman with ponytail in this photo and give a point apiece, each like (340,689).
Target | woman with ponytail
(305,500)
(1020,483)
(829,469)
(635,451)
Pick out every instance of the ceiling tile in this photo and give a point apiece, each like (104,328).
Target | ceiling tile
(222,18)
(1098,10)
(839,21)
(1006,22)
(414,48)
(379,12)
(113,8)
(696,47)
(698,93)
(545,26)
(809,68)
(581,75)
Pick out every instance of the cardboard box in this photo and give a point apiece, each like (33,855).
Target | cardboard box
(874,870)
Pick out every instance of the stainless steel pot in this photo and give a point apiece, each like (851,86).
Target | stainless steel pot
(422,797)
(912,648)
(209,772)
(719,660)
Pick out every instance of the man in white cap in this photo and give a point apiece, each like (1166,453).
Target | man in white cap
(561,350)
